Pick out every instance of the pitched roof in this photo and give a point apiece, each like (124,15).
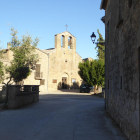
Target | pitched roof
(89,58)
(48,50)
(65,32)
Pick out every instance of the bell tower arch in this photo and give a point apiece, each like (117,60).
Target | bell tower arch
(65,40)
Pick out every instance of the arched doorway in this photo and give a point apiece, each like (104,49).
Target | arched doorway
(64,81)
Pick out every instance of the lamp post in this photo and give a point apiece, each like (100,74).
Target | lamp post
(93,37)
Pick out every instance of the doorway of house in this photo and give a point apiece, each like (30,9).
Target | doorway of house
(64,82)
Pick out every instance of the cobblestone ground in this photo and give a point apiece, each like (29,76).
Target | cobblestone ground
(60,116)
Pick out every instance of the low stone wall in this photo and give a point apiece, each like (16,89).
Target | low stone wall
(2,94)
(19,96)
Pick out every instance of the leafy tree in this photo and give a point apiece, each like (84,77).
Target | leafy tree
(1,66)
(98,67)
(93,72)
(84,72)
(1,71)
(100,46)
(24,58)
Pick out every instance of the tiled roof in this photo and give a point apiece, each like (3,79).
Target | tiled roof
(48,50)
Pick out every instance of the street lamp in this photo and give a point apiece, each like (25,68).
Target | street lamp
(93,37)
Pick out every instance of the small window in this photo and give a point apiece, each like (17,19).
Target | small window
(139,58)
(121,82)
(62,40)
(70,43)
(108,31)
(38,66)
(139,65)
(130,3)
(42,82)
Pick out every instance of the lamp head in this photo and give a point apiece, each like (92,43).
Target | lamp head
(93,37)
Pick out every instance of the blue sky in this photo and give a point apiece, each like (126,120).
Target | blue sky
(45,18)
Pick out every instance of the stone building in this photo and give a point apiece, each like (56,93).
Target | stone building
(122,61)
(88,59)
(57,67)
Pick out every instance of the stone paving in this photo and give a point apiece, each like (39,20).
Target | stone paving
(60,116)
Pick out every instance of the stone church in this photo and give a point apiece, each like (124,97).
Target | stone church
(57,67)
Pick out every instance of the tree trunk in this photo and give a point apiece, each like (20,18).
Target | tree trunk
(6,101)
(95,88)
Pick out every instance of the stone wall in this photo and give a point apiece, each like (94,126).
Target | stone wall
(43,61)
(18,97)
(122,26)
(63,61)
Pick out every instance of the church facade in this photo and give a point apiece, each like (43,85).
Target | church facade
(57,67)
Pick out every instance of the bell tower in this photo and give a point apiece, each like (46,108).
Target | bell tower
(66,41)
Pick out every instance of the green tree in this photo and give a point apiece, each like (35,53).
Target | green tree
(84,72)
(24,58)
(100,46)
(93,72)
(1,71)
(98,67)
(1,66)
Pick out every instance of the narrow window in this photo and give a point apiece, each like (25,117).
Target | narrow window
(108,84)
(70,42)
(139,65)
(130,3)
(37,73)
(108,30)
(121,82)
(62,37)
(120,21)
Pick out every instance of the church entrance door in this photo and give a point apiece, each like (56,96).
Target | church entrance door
(64,82)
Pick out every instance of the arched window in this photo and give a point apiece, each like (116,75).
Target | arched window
(62,40)
(70,42)
(130,3)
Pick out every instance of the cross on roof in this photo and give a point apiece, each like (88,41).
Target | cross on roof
(66,26)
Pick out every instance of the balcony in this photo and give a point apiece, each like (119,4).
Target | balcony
(38,75)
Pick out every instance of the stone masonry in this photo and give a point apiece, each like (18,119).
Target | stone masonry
(122,60)
(57,67)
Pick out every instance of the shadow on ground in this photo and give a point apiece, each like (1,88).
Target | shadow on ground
(68,90)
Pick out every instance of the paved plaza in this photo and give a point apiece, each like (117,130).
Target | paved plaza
(60,115)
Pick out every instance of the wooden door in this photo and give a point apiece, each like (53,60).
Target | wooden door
(64,82)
